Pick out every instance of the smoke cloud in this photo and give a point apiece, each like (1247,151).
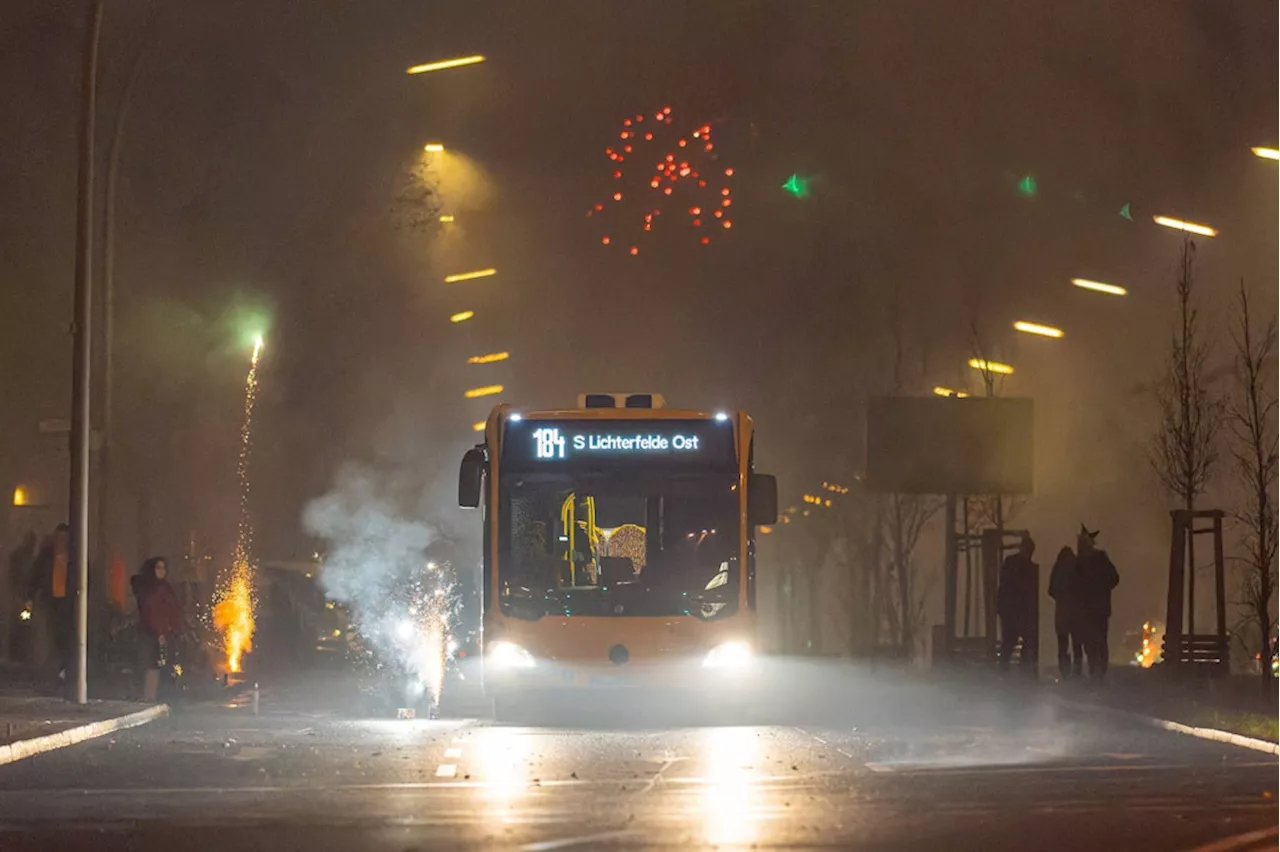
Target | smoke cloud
(375,564)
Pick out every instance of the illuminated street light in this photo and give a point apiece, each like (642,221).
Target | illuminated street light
(1099,287)
(445,64)
(477,427)
(990,366)
(467,276)
(487,390)
(1266,153)
(489,359)
(434,147)
(20,496)
(941,391)
(462,316)
(446,218)
(1037,328)
(1189,227)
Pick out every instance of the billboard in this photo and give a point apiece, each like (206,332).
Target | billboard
(945,445)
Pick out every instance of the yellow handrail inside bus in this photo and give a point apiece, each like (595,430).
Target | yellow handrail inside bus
(569,521)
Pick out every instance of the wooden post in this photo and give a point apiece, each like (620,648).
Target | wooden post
(1173,608)
(949,568)
(992,556)
(1220,579)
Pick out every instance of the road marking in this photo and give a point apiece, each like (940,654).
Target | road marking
(657,777)
(453,752)
(566,842)
(992,769)
(446,770)
(1240,841)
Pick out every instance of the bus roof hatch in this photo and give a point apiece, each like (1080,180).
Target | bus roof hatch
(621,400)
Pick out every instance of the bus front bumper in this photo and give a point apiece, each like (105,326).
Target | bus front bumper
(555,676)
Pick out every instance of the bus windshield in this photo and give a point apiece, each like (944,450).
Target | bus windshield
(602,545)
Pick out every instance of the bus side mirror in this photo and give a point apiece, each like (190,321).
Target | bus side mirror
(470,478)
(762,499)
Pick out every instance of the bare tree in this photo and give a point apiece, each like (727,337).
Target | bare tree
(1184,450)
(1251,417)
(905,516)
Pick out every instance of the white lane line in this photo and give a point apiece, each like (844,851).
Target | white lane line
(995,769)
(566,842)
(446,770)
(1240,841)
(453,752)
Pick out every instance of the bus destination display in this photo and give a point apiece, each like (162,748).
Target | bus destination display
(544,443)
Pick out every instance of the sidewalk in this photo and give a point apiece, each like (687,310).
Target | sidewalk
(33,721)
(1234,704)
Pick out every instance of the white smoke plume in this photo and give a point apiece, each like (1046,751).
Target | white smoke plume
(375,564)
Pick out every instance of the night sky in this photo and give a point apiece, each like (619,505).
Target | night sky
(266,140)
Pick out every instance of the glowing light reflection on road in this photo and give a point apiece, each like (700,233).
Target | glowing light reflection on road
(504,755)
(729,799)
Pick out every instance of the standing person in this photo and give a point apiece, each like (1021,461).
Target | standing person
(160,622)
(1064,588)
(1016,605)
(1097,577)
(52,586)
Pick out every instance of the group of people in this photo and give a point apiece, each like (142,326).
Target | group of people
(1080,584)
(44,574)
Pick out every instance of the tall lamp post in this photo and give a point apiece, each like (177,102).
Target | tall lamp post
(81,358)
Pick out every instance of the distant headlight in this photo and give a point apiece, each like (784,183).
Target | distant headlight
(729,656)
(510,656)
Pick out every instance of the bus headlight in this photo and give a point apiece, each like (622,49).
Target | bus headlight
(508,655)
(729,656)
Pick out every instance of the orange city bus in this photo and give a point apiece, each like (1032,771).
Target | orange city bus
(619,545)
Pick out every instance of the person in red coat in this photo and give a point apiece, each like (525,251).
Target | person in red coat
(160,622)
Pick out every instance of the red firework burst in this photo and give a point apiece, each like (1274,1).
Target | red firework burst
(658,167)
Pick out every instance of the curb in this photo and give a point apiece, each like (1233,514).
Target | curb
(38,745)
(1214,734)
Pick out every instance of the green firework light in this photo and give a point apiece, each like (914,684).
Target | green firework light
(247,323)
(1027,186)
(797,186)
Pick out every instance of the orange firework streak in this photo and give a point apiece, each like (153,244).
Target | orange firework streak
(233,613)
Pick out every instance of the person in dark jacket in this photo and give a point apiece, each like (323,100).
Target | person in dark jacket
(1064,588)
(1016,605)
(53,589)
(160,622)
(1097,577)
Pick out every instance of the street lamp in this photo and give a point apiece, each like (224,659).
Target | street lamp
(477,426)
(990,366)
(941,391)
(445,64)
(487,390)
(462,316)
(434,147)
(1037,329)
(1266,153)
(1099,287)
(489,359)
(1189,227)
(467,276)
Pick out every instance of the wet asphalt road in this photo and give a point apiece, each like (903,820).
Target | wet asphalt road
(848,760)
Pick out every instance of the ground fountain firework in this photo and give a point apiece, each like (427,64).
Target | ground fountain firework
(236,602)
